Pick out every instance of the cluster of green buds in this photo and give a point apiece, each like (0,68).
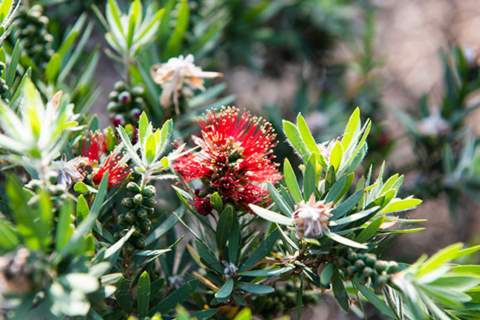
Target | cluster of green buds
(3,85)
(22,271)
(33,35)
(126,105)
(141,205)
(282,301)
(57,192)
(366,267)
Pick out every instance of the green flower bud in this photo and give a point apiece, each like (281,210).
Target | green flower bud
(381,266)
(137,199)
(352,256)
(112,106)
(124,98)
(392,267)
(367,272)
(142,213)
(129,217)
(149,191)
(129,248)
(362,279)
(119,86)
(359,264)
(140,243)
(149,202)
(370,260)
(133,187)
(113,95)
(146,225)
(351,270)
(128,203)
(138,91)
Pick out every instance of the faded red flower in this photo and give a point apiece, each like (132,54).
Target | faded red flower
(117,171)
(93,148)
(235,159)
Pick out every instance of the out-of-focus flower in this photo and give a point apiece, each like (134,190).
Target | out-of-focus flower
(235,159)
(37,133)
(15,273)
(117,170)
(70,172)
(311,218)
(179,76)
(94,148)
(434,125)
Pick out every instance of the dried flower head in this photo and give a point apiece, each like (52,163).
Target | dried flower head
(117,170)
(70,172)
(94,148)
(311,218)
(235,159)
(179,76)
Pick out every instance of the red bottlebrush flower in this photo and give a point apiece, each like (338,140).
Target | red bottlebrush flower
(235,158)
(117,172)
(93,148)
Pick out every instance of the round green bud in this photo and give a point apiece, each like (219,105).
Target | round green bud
(137,199)
(370,260)
(124,97)
(149,191)
(136,233)
(128,203)
(2,65)
(119,86)
(359,264)
(138,91)
(351,270)
(392,267)
(129,217)
(129,248)
(150,211)
(113,95)
(112,106)
(381,266)
(367,272)
(362,279)
(382,280)
(133,187)
(146,225)
(352,256)
(149,202)
(140,243)
(142,213)
(343,263)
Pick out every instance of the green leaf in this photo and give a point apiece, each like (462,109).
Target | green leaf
(254,288)
(210,260)
(9,239)
(216,202)
(401,205)
(279,201)
(165,133)
(291,181)
(353,124)
(12,66)
(158,232)
(143,294)
(336,156)
(353,217)
(295,139)
(64,226)
(336,189)
(370,230)
(204,314)
(443,256)
(234,242)
(178,296)
(150,149)
(271,216)
(53,67)
(261,251)
(309,178)
(175,41)
(265,272)
(82,209)
(224,227)
(327,274)
(347,205)
(245,314)
(339,291)
(307,135)
(345,241)
(225,291)
(142,127)
(128,145)
(123,296)
(373,299)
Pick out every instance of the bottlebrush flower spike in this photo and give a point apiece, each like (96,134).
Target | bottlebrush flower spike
(94,148)
(117,170)
(235,159)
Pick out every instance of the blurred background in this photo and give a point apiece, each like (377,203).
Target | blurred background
(411,66)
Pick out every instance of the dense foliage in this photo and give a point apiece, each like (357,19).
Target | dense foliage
(180,208)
